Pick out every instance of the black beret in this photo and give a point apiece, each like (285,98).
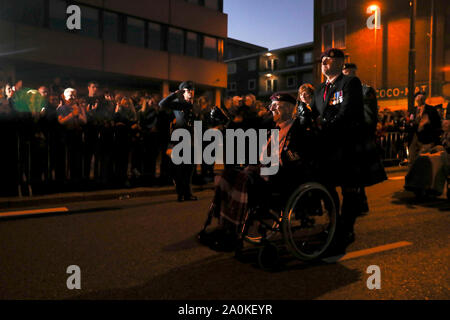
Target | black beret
(187,85)
(333,53)
(283,97)
(350,66)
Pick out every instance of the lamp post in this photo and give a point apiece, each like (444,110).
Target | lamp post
(412,56)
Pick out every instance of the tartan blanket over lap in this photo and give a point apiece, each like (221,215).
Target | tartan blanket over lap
(231,196)
(429,171)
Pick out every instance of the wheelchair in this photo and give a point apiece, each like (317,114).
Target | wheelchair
(305,222)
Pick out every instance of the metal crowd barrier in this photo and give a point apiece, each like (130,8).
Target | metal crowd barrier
(393,147)
(44,163)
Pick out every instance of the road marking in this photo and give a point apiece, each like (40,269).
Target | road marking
(365,252)
(397,178)
(30,212)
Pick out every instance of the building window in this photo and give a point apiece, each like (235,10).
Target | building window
(252,65)
(327,36)
(290,60)
(136,32)
(110,26)
(210,48)
(154,36)
(29,12)
(307,57)
(212,4)
(192,44)
(307,77)
(89,22)
(291,81)
(220,49)
(176,41)
(339,34)
(251,84)
(274,64)
(271,85)
(333,35)
(6,9)
(232,86)
(331,6)
(57,15)
(327,6)
(340,5)
(232,68)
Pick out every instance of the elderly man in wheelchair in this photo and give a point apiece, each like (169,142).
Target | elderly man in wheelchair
(292,203)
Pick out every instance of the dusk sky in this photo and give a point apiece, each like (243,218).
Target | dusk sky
(269,23)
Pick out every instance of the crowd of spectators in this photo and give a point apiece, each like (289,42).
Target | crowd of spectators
(64,137)
(83,137)
(67,140)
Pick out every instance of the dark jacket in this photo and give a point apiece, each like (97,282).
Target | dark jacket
(347,157)
(182,111)
(297,158)
(370,109)
(432,130)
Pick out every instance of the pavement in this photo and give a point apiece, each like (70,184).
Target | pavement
(145,248)
(127,193)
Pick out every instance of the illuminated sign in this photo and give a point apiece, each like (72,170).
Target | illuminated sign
(397,93)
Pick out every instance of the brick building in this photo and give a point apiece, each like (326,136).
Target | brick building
(382,54)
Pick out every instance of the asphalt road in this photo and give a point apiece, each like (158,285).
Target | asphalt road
(144,248)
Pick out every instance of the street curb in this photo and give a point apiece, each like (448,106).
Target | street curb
(396,169)
(16,202)
(60,198)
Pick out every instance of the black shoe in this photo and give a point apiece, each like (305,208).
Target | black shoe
(190,198)
(218,239)
(339,246)
(348,238)
(180,199)
(364,208)
(205,238)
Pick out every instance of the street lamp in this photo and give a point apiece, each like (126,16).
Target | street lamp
(374,22)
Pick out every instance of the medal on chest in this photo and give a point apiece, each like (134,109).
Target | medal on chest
(337,98)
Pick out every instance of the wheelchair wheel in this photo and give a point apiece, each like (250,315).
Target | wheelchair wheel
(309,221)
(253,231)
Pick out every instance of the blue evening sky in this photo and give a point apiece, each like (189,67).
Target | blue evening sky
(270,23)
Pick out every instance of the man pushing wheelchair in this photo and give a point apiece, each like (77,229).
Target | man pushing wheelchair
(321,148)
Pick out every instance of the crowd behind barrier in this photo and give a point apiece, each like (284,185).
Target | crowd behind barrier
(57,140)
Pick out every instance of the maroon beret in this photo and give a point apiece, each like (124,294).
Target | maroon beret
(333,53)
(283,97)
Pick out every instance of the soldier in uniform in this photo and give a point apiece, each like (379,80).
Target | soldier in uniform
(339,107)
(181,103)
(370,121)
